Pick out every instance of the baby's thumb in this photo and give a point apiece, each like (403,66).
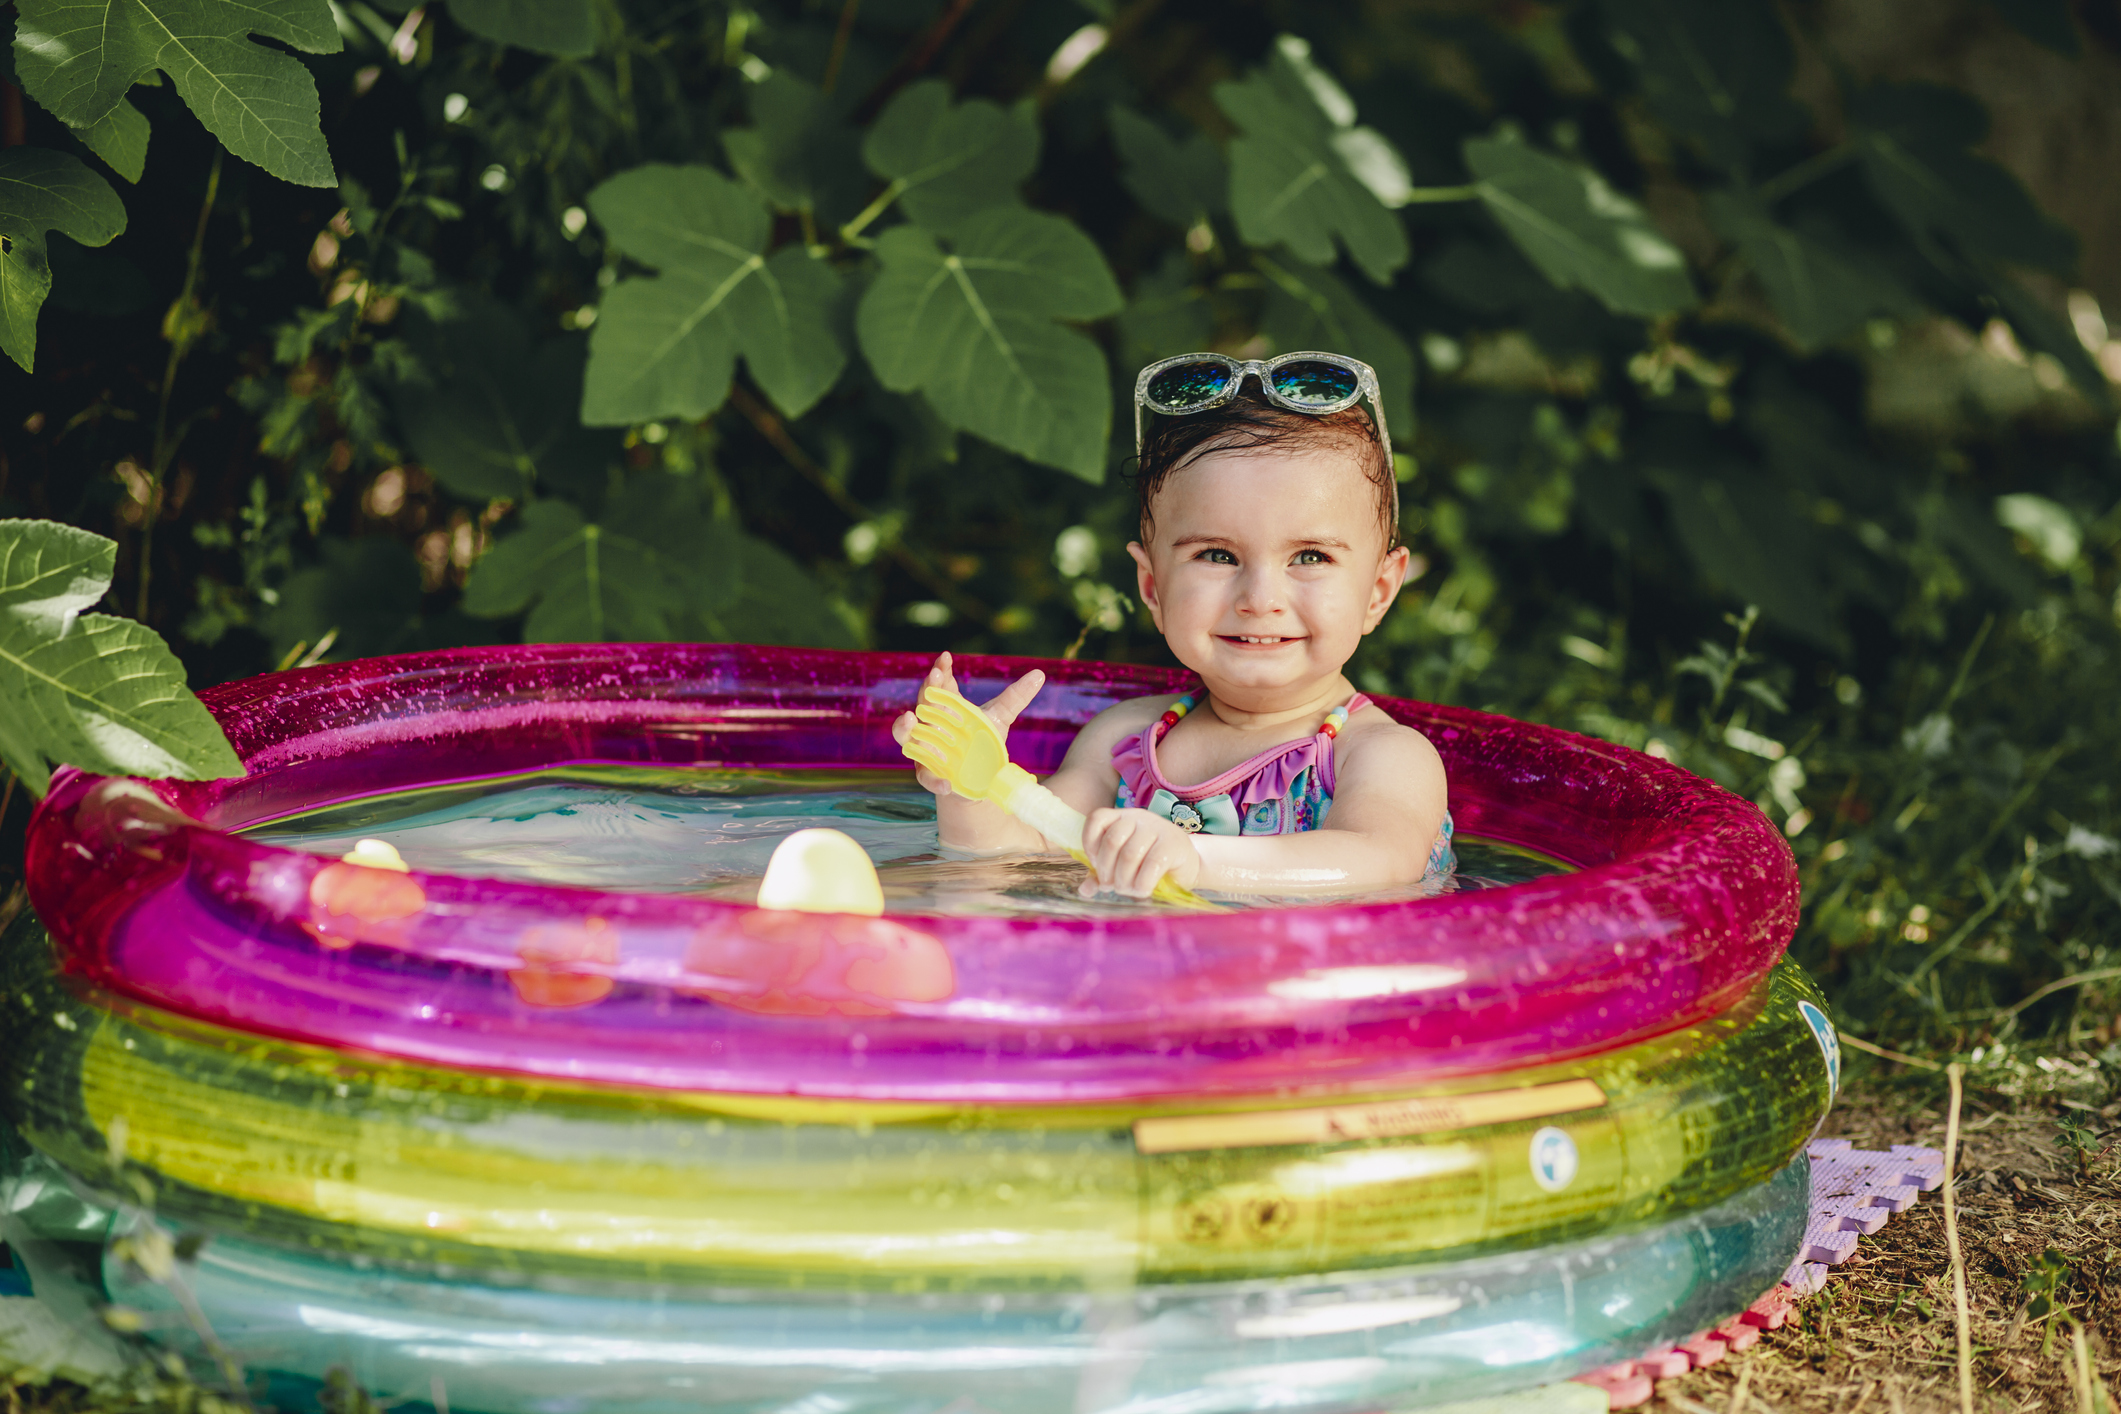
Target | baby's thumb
(1014,698)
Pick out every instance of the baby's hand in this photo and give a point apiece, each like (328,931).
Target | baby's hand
(1132,849)
(1004,710)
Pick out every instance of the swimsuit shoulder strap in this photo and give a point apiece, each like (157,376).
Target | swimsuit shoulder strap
(1330,729)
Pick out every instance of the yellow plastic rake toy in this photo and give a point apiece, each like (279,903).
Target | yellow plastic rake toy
(957,741)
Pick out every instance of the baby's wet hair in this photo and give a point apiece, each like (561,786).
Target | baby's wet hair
(1249,423)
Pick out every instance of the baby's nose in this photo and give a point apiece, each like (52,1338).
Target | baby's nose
(1260,592)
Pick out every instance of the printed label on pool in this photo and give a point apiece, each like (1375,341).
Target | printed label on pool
(1554,1159)
(1384,1119)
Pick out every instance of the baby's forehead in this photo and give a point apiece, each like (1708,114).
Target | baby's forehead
(1270,487)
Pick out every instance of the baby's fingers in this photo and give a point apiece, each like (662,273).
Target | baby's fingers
(1014,698)
(901,732)
(1098,840)
(1134,868)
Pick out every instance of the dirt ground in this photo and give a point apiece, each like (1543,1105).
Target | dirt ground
(1880,1338)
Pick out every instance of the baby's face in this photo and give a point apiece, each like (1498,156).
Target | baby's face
(1267,568)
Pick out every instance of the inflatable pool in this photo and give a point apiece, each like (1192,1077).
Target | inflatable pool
(989,1142)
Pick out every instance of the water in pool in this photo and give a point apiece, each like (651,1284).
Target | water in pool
(709,831)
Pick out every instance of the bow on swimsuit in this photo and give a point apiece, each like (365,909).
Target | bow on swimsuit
(1282,791)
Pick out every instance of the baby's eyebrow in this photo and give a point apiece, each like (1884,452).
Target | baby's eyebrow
(1320,543)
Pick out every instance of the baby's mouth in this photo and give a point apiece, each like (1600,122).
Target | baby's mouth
(1256,640)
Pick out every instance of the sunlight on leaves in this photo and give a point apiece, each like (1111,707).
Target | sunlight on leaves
(78,58)
(1579,231)
(1302,175)
(89,690)
(120,138)
(43,191)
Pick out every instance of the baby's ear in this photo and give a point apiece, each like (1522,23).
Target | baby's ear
(1145,582)
(1391,577)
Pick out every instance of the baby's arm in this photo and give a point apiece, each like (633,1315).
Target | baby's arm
(1388,806)
(1086,778)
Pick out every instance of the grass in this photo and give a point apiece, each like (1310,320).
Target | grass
(2039,1216)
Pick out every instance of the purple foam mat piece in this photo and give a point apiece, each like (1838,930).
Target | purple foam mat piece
(1854,1192)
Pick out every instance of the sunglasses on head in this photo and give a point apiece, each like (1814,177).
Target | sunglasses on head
(1308,382)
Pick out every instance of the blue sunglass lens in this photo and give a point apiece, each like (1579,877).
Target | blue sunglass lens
(1189,386)
(1315,384)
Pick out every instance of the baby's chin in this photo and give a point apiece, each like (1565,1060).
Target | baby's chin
(1290,661)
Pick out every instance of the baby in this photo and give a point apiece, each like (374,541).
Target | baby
(1269,530)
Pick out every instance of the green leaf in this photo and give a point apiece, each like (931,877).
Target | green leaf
(78,58)
(566,29)
(1819,295)
(654,566)
(1168,314)
(1742,535)
(948,160)
(582,582)
(367,590)
(800,154)
(1181,180)
(89,690)
(972,329)
(1310,309)
(1718,75)
(499,417)
(1913,140)
(774,602)
(43,191)
(1580,232)
(2045,22)
(120,139)
(1303,175)
(668,346)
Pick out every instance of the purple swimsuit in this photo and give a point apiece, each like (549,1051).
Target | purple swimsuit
(1282,791)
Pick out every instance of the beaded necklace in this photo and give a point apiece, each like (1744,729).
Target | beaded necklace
(1335,719)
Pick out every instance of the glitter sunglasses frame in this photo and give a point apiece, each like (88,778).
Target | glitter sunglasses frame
(1241,369)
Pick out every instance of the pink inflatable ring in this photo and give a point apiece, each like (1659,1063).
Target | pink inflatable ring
(1683,897)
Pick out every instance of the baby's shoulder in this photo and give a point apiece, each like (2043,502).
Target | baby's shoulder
(1097,738)
(1128,717)
(1371,739)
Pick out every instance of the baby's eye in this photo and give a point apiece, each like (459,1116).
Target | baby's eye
(1312,557)
(1216,555)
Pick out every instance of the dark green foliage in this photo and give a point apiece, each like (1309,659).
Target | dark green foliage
(655,319)
(44,191)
